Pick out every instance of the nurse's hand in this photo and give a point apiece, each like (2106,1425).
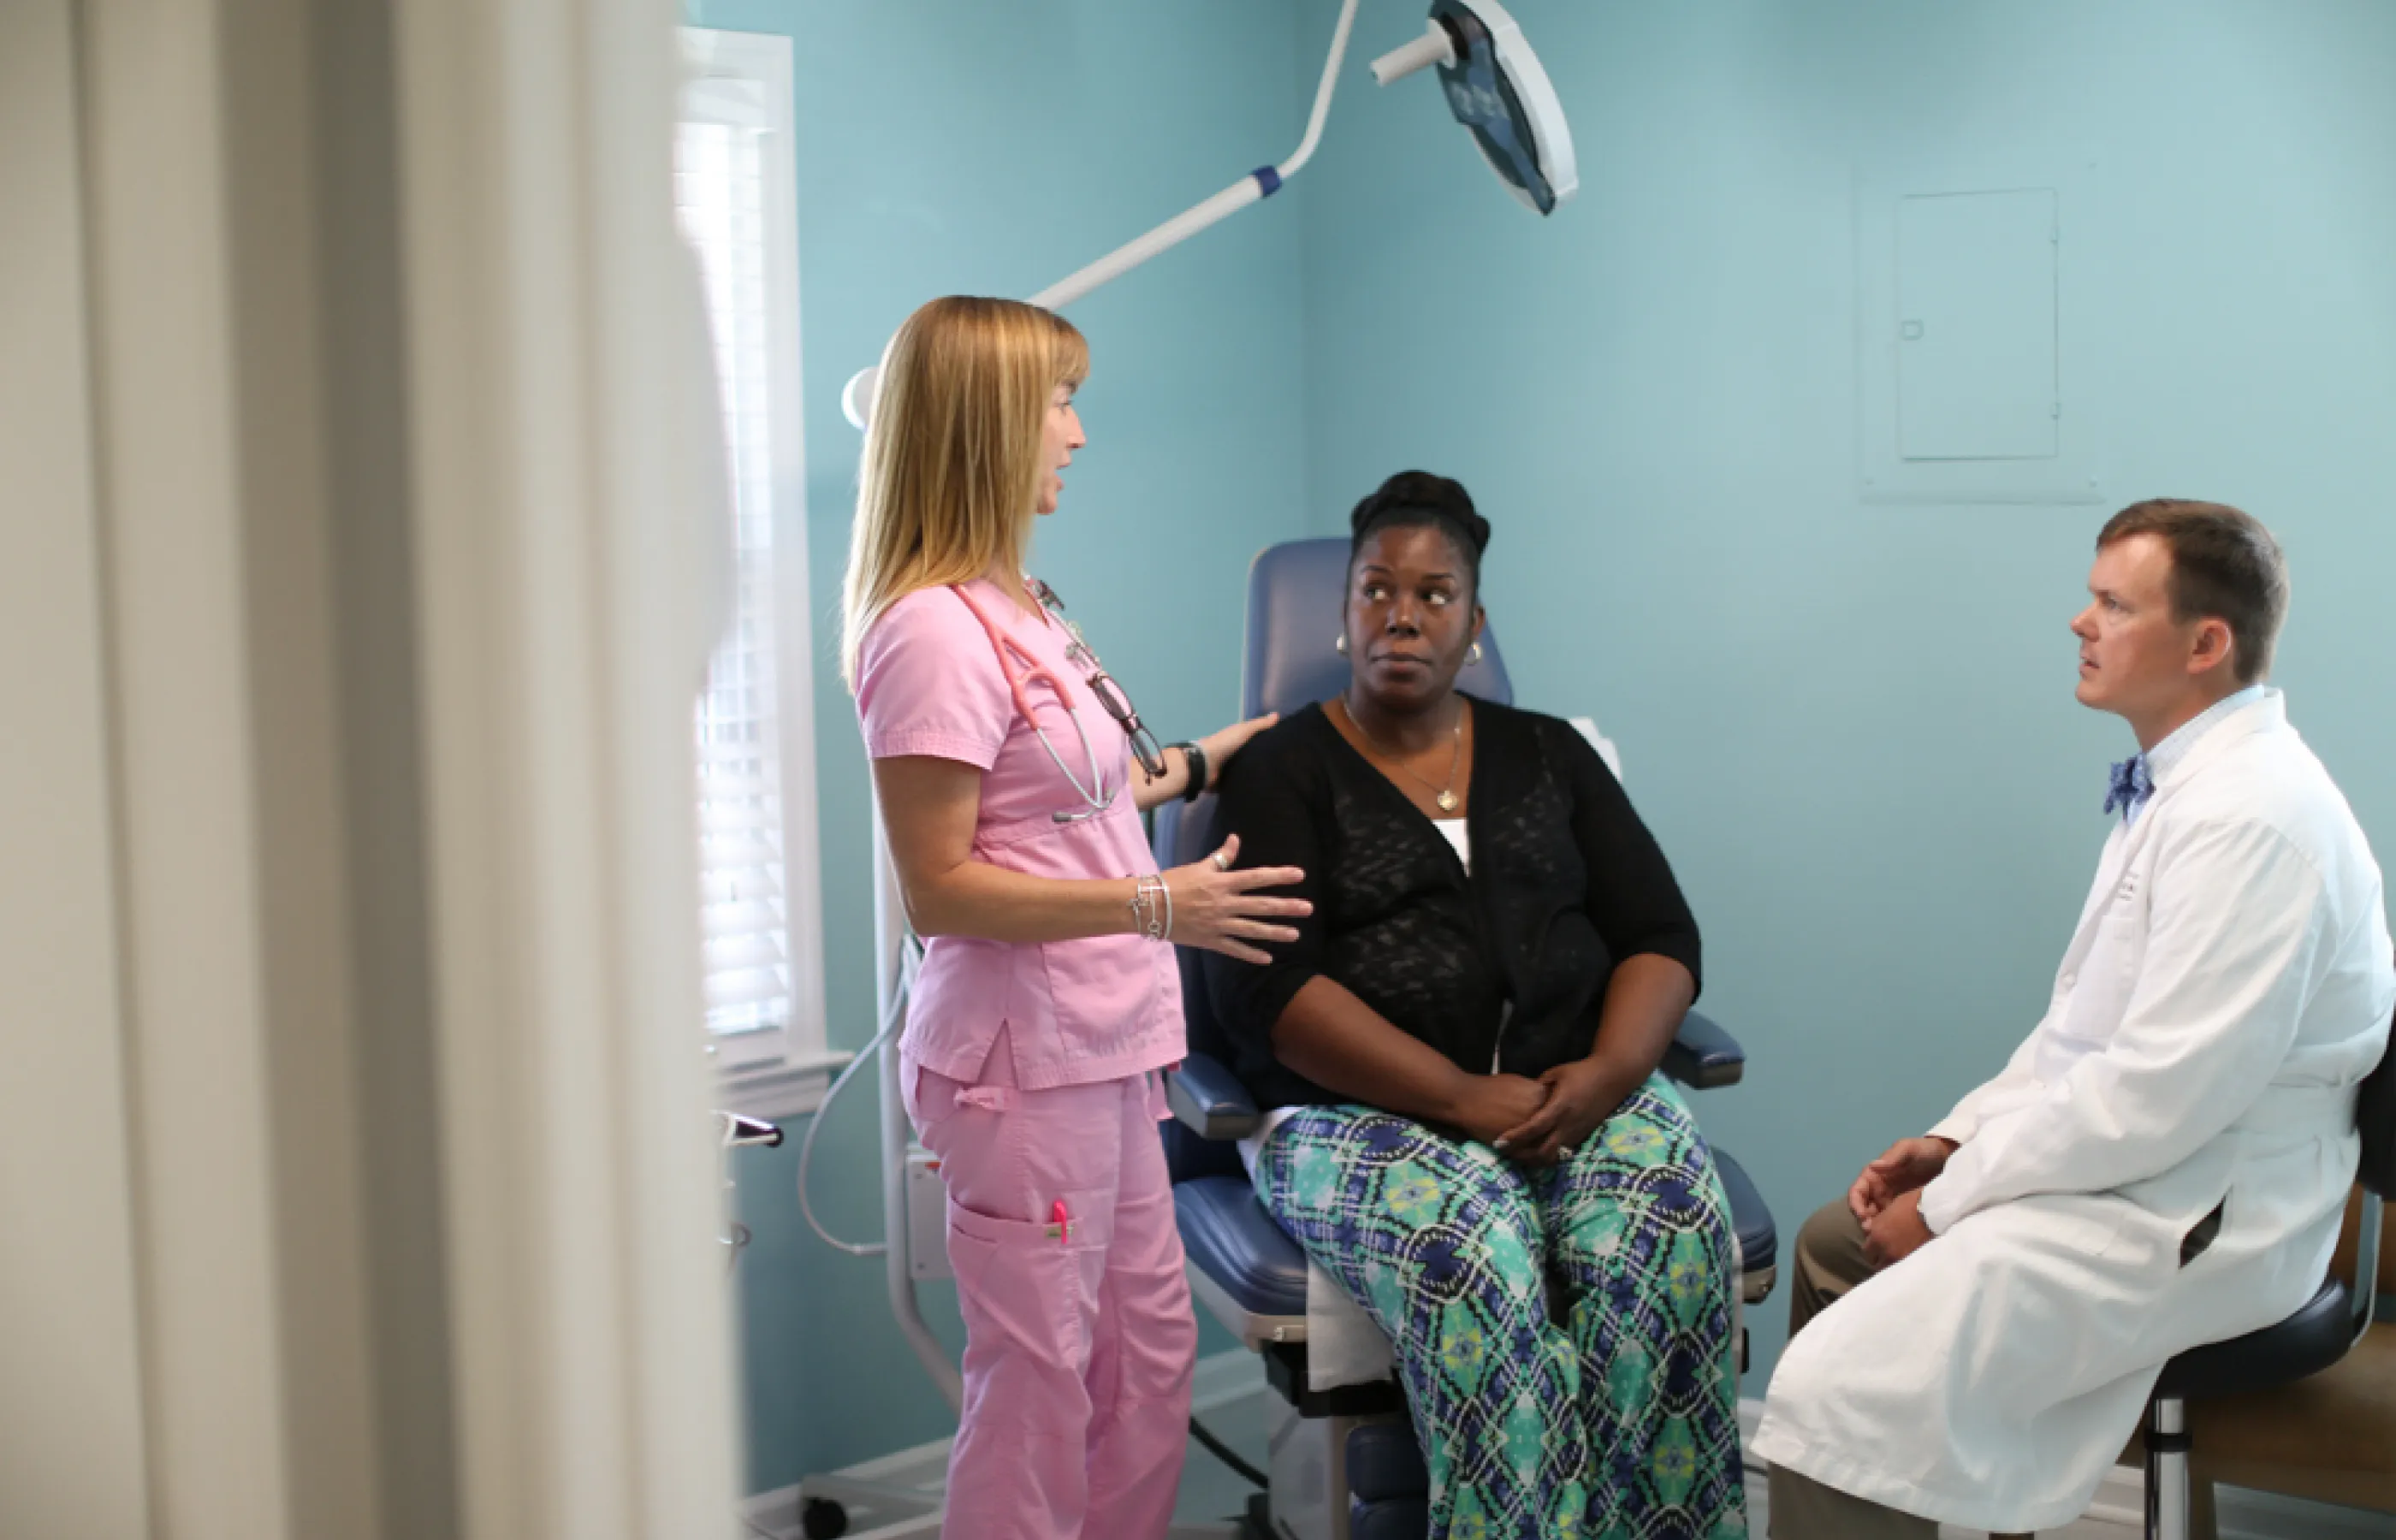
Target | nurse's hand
(1909,1165)
(1223,910)
(1220,746)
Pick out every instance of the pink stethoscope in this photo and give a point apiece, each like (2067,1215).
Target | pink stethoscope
(1097,797)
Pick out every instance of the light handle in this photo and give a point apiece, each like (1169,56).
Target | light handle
(1434,47)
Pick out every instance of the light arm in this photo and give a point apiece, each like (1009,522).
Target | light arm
(856,399)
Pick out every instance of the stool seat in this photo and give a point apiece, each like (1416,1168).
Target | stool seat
(2316,1336)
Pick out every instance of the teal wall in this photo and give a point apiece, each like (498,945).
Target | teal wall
(966,147)
(1850,723)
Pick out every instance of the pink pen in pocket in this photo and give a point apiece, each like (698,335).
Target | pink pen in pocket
(1060,1224)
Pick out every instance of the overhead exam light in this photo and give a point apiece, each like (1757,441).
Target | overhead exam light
(1494,85)
(1498,90)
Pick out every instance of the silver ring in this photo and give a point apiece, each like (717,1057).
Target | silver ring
(1222,862)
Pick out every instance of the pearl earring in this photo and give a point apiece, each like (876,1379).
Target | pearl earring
(1473,656)
(1339,645)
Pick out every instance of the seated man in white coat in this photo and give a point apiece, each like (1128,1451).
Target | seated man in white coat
(2165,1161)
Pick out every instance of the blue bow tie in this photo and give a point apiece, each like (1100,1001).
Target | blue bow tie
(2130,786)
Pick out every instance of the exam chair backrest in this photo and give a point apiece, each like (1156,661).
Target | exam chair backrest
(1294,598)
(1288,662)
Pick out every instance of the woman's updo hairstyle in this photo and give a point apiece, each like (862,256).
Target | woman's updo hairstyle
(1420,500)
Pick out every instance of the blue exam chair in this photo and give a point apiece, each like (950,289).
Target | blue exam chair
(1345,1464)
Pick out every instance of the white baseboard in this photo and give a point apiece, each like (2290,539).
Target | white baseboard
(2121,1502)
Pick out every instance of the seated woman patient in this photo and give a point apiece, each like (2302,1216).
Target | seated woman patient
(1459,1059)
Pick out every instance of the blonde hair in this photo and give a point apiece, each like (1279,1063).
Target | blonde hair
(951,468)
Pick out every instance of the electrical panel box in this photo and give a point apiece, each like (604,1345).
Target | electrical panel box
(1975,325)
(1978,332)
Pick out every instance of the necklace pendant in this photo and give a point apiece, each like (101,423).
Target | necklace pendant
(1447,802)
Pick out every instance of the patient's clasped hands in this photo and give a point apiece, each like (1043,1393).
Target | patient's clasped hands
(1537,1123)
(1886,1198)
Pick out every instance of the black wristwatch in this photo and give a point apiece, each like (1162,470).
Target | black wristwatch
(1196,758)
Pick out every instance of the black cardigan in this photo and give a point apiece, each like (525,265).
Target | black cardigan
(1566,881)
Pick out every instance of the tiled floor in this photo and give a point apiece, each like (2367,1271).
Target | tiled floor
(1759,1515)
(1210,1491)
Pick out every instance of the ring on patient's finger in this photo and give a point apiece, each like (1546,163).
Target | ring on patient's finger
(1222,862)
(1565,1153)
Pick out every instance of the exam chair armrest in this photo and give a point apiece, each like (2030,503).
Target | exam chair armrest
(1703,1057)
(1208,1099)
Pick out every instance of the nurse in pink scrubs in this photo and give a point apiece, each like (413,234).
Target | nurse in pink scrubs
(1011,773)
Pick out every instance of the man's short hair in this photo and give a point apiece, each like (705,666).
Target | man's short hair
(2225,567)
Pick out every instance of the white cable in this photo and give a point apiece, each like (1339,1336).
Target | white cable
(911,954)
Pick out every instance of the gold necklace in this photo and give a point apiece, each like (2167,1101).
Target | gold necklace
(1447,798)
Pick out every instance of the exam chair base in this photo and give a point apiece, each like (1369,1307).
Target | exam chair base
(1309,1467)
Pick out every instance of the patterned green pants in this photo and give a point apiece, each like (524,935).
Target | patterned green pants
(1620,1420)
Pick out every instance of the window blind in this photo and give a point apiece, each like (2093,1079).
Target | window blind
(719,195)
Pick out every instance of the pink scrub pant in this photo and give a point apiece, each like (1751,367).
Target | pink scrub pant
(1078,1346)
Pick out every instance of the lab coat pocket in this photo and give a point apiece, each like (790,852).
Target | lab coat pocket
(2201,1236)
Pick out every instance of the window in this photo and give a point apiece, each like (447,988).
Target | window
(735,194)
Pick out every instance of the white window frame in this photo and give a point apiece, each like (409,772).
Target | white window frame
(745,80)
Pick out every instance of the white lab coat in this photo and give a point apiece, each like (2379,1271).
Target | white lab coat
(2228,987)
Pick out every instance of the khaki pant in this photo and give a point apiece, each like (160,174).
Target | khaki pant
(1830,1262)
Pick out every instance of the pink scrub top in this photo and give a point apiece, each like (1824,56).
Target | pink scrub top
(1101,1008)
